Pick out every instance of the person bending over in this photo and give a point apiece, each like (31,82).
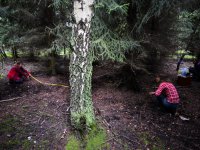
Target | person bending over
(167,95)
(196,69)
(18,74)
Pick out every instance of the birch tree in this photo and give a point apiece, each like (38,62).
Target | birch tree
(82,113)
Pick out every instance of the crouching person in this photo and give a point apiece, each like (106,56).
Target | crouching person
(167,95)
(18,74)
(196,69)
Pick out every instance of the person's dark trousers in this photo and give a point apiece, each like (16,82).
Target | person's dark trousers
(170,107)
(195,73)
(20,81)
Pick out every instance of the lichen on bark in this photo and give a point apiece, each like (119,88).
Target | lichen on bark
(82,113)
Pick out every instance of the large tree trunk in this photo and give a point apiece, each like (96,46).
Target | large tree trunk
(82,113)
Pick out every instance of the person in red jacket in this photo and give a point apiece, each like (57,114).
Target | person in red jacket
(167,95)
(18,74)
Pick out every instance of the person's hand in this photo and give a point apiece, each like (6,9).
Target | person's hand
(29,74)
(151,93)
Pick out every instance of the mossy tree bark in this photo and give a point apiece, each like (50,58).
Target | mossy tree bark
(82,113)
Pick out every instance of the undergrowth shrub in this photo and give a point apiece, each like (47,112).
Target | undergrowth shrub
(73,144)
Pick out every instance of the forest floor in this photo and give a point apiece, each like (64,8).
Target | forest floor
(39,116)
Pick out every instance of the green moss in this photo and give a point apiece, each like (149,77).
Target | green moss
(82,121)
(26,145)
(73,144)
(95,139)
(144,138)
(7,126)
(82,114)
(13,134)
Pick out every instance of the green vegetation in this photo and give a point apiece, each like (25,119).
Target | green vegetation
(144,138)
(26,144)
(179,53)
(8,54)
(73,144)
(94,140)
(14,135)
(1,75)
(10,129)
(7,126)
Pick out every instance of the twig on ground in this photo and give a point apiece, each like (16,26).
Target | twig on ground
(11,99)
(61,105)
(63,134)
(39,119)
(65,113)
(42,122)
(68,108)
(106,123)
